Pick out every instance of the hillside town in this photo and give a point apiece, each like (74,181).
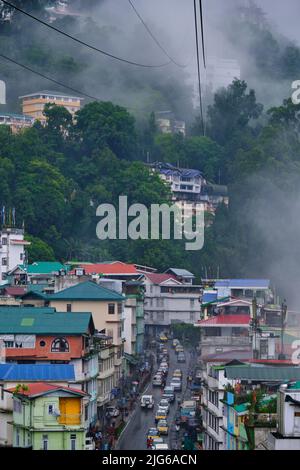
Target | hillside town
(89,348)
(132,341)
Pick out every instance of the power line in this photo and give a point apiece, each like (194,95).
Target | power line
(49,78)
(202,32)
(198,67)
(153,37)
(81,42)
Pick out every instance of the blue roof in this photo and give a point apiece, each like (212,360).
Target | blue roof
(36,372)
(209,297)
(243,283)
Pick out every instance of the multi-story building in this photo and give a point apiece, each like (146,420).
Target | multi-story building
(43,335)
(247,289)
(12,249)
(221,73)
(190,190)
(287,435)
(48,417)
(12,374)
(106,307)
(168,301)
(16,122)
(33,104)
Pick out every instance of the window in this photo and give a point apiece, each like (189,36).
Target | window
(111,309)
(4,241)
(50,409)
(21,256)
(4,261)
(42,344)
(17,406)
(18,438)
(60,345)
(69,308)
(73,441)
(45,442)
(2,392)
(86,412)
(120,308)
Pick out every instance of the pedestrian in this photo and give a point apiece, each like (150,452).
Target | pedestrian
(177,427)
(149,443)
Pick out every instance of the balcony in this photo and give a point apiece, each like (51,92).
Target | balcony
(225,341)
(213,383)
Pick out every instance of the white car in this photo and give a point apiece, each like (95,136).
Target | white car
(112,411)
(164,404)
(147,401)
(89,444)
(160,446)
(176,384)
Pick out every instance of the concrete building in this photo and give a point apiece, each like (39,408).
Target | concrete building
(168,301)
(42,335)
(221,73)
(190,190)
(16,122)
(48,417)
(12,374)
(33,104)
(287,435)
(12,249)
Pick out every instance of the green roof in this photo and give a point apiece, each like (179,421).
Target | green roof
(294,386)
(88,290)
(43,267)
(242,408)
(263,373)
(45,320)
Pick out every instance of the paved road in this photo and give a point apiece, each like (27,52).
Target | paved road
(134,435)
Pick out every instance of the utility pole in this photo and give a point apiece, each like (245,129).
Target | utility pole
(255,324)
(283,320)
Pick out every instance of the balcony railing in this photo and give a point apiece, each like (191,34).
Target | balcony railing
(225,341)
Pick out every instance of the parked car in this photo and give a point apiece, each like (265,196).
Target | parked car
(169,394)
(164,404)
(152,432)
(181,357)
(157,380)
(177,373)
(176,384)
(163,338)
(162,426)
(112,411)
(89,444)
(160,446)
(147,401)
(161,414)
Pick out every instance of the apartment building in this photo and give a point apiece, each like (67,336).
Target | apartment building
(12,249)
(33,104)
(167,301)
(16,122)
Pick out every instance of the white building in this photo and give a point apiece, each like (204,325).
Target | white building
(167,301)
(221,73)
(287,436)
(12,249)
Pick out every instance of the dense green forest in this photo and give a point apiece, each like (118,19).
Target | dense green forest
(55,176)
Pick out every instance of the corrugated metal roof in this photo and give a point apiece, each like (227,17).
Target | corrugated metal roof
(181,272)
(33,372)
(243,283)
(26,320)
(263,373)
(88,290)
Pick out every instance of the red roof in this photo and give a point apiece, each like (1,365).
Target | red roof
(15,290)
(224,320)
(273,361)
(111,268)
(39,388)
(157,278)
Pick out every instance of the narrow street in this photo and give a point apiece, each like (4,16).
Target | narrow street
(134,435)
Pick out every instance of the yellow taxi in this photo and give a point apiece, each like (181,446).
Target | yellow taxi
(162,426)
(161,414)
(153,432)
(163,338)
(177,373)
